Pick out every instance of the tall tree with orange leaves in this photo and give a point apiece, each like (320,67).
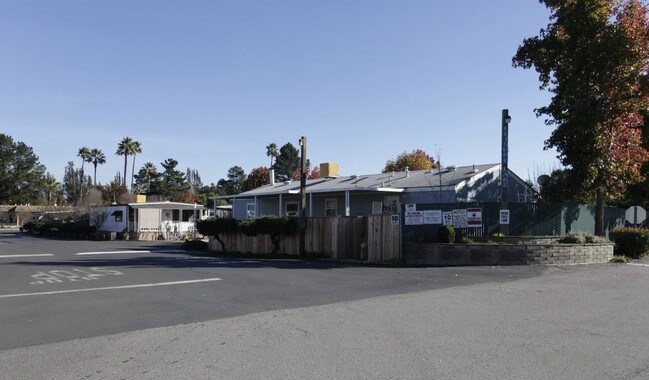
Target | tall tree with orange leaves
(594,59)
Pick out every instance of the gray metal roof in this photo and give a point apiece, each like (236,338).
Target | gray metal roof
(167,204)
(445,178)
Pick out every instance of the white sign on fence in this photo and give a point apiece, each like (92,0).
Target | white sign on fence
(447,218)
(474,217)
(433,217)
(504,216)
(414,218)
(459,218)
(411,207)
(394,219)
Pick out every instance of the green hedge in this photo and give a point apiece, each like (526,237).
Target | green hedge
(631,242)
(446,234)
(41,226)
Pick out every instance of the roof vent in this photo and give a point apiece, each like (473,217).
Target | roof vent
(452,168)
(288,182)
(354,176)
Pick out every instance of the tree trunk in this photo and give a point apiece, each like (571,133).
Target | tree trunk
(599,213)
(125,163)
(132,173)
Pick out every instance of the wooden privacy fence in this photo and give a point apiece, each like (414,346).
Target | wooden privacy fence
(372,238)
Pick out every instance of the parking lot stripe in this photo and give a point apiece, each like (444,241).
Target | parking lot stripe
(109,252)
(111,288)
(32,255)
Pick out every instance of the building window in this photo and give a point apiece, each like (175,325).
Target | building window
(331,207)
(188,215)
(291,208)
(250,211)
(377,208)
(391,204)
(118,216)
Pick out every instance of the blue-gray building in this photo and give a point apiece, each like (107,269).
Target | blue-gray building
(383,193)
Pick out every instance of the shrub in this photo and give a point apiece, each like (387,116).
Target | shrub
(446,234)
(194,245)
(631,242)
(579,237)
(619,259)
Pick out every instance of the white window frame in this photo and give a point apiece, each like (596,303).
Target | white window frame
(328,203)
(377,208)
(251,212)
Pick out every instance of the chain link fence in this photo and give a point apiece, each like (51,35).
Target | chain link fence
(525,219)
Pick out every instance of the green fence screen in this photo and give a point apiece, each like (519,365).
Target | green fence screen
(526,219)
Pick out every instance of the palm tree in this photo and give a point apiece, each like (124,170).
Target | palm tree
(136,148)
(149,169)
(124,148)
(84,153)
(97,157)
(52,186)
(272,152)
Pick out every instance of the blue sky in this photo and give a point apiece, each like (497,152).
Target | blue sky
(211,83)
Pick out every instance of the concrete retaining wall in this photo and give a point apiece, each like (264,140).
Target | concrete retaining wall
(506,254)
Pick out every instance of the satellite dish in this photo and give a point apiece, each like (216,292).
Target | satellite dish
(543,180)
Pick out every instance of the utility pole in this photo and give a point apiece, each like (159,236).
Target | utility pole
(504,174)
(303,220)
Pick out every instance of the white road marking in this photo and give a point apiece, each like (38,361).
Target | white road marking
(111,288)
(134,251)
(32,255)
(109,252)
(639,265)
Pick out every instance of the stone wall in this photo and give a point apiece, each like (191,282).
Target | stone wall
(506,254)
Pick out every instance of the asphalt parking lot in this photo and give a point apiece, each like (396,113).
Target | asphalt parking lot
(141,310)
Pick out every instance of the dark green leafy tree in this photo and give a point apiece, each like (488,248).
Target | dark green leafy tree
(193,179)
(172,182)
(205,192)
(593,58)
(561,188)
(234,183)
(147,179)
(286,163)
(22,176)
(74,185)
